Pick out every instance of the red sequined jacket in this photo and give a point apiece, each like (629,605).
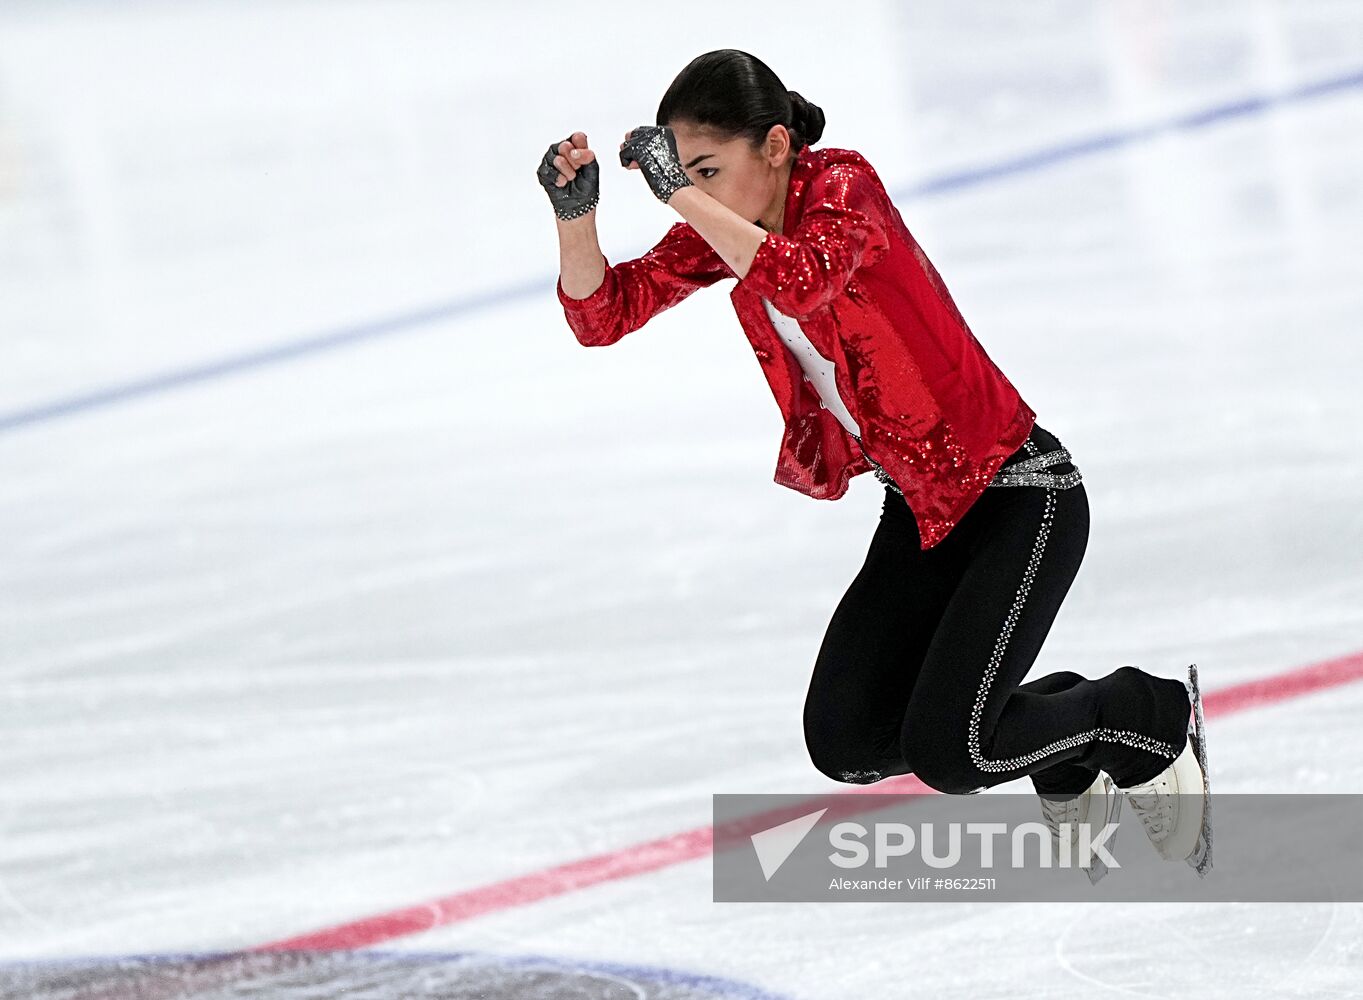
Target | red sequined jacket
(933,409)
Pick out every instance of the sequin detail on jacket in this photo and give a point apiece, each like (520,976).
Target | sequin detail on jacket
(933,408)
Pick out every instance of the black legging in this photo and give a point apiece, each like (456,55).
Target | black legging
(921,667)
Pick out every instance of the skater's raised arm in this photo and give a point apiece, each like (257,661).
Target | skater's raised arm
(603,302)
(571,176)
(581,264)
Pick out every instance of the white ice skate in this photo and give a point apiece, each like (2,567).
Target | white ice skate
(1175,805)
(1097,805)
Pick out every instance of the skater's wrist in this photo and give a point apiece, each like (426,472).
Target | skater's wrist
(684,199)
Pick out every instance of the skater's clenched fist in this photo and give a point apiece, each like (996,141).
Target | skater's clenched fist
(571,176)
(653,150)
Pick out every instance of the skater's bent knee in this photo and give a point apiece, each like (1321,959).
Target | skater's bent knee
(853,775)
(843,768)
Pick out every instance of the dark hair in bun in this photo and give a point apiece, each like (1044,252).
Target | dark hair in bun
(736,94)
(807,118)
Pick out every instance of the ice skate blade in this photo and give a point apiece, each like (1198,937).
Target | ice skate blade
(1200,860)
(1099,868)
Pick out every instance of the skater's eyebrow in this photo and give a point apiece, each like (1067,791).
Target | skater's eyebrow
(702,156)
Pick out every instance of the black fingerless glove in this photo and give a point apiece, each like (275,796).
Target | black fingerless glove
(579,195)
(654,148)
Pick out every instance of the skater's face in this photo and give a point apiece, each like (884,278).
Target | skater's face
(751,182)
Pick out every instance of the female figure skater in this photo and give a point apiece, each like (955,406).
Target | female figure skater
(873,367)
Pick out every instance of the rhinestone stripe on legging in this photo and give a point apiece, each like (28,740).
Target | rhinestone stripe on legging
(1102,733)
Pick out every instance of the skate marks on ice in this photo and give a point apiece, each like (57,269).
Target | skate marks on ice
(358,975)
(1253,951)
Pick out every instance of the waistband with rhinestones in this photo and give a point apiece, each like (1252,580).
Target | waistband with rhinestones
(1023,473)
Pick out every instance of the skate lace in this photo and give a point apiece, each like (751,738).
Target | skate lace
(1155,807)
(1057,811)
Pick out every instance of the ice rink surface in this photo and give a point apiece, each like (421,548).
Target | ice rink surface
(337,577)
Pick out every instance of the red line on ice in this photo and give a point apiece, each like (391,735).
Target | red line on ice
(650,855)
